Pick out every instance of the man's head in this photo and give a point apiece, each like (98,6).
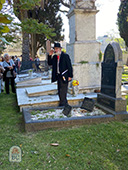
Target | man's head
(57,48)
(6,56)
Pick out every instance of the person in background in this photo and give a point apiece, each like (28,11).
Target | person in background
(8,64)
(2,71)
(14,60)
(62,71)
(37,63)
(17,63)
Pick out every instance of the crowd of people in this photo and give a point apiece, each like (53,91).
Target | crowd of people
(9,67)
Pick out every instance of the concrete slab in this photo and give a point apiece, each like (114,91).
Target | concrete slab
(49,100)
(41,90)
(43,82)
(124,88)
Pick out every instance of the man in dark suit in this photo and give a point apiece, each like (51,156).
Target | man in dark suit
(62,71)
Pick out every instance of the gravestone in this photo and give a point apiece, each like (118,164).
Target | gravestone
(67,110)
(88,104)
(112,66)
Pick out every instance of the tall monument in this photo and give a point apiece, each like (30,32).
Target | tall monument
(83,47)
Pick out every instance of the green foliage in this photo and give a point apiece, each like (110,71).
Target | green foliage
(97,64)
(33,26)
(1,3)
(123,20)
(83,62)
(25,4)
(100,56)
(5,19)
(49,16)
(121,42)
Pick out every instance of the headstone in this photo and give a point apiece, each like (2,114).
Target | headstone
(88,104)
(67,110)
(112,66)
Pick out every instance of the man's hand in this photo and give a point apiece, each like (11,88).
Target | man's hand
(10,67)
(51,52)
(69,78)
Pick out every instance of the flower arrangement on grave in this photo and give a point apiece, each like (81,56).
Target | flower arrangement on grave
(30,72)
(75,83)
(75,87)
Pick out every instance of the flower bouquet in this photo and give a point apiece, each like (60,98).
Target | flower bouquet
(75,87)
(30,72)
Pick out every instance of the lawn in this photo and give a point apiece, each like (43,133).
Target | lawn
(125,74)
(95,147)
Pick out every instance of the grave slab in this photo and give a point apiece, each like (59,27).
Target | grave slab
(48,100)
(43,82)
(41,90)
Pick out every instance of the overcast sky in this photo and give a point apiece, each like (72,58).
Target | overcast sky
(106,18)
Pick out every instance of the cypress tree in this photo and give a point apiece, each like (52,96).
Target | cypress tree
(123,20)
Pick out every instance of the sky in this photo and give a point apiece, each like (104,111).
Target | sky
(106,18)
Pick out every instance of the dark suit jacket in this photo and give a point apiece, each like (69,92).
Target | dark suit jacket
(64,64)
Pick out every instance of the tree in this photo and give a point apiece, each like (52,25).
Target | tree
(29,26)
(48,15)
(5,19)
(123,20)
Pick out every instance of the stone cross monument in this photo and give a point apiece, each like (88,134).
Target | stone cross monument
(83,47)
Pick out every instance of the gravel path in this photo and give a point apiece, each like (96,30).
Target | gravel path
(57,113)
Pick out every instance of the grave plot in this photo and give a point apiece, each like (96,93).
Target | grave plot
(53,117)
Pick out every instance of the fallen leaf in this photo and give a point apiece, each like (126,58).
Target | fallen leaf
(54,144)
(67,155)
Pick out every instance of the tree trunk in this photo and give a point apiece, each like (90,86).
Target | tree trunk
(33,45)
(26,63)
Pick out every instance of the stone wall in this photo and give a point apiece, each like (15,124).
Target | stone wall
(88,75)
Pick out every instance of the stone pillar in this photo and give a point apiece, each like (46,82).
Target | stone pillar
(83,47)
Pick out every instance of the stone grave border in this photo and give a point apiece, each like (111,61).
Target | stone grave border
(35,125)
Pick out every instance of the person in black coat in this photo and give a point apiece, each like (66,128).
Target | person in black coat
(62,71)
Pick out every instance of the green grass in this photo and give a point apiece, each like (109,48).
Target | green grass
(125,74)
(94,147)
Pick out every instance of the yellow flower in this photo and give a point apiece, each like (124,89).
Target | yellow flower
(75,82)
(63,50)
